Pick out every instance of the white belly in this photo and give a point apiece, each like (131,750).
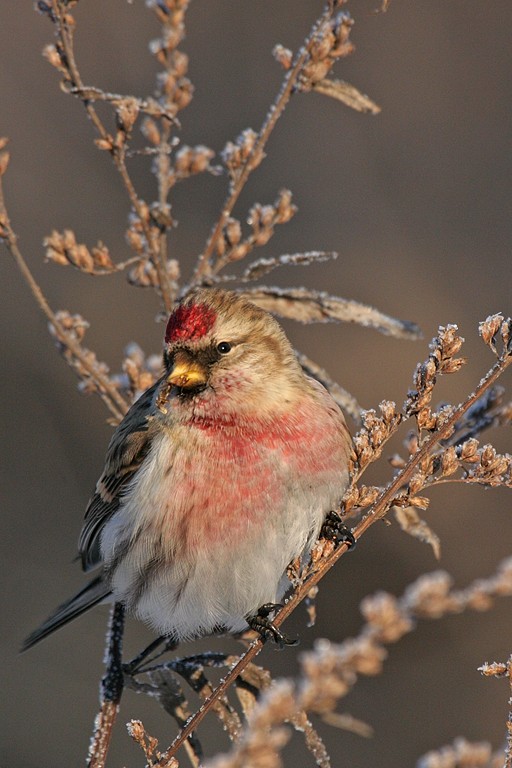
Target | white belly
(189,557)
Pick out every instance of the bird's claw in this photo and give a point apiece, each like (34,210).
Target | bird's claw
(266,629)
(336,531)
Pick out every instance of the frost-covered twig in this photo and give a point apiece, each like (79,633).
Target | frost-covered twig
(327,41)
(67,330)
(110,692)
(330,671)
(462,754)
(502,669)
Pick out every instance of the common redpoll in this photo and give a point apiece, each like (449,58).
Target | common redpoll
(218,477)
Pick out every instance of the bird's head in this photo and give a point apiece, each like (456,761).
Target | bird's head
(220,346)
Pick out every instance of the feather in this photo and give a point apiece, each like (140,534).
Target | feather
(128,448)
(95,592)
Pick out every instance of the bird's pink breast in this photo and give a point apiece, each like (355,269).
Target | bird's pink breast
(234,477)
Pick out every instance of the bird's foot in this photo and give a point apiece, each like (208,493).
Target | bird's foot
(266,629)
(148,655)
(336,531)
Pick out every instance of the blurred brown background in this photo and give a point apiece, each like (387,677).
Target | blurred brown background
(418,203)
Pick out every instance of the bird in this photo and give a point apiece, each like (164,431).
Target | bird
(220,475)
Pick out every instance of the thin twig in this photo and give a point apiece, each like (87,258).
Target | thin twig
(114,401)
(66,38)
(117,151)
(111,691)
(204,267)
(166,292)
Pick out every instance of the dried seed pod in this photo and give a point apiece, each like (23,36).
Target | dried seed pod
(101,257)
(234,154)
(75,324)
(233,231)
(126,114)
(429,596)
(351,498)
(417,482)
(387,619)
(284,208)
(192,160)
(150,131)
(506,333)
(449,462)
(62,248)
(143,274)
(106,144)
(468,450)
(283,56)
(489,328)
(53,55)
(367,495)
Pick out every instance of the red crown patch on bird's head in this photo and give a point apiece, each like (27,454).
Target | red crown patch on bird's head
(189,322)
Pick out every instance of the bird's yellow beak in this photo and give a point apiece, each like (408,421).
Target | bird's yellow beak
(187,373)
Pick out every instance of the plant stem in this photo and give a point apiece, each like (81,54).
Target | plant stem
(118,153)
(116,404)
(204,266)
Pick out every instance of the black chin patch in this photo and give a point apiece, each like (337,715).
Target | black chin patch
(188,393)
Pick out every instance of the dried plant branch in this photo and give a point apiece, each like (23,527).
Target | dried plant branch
(194,674)
(111,691)
(314,54)
(150,224)
(462,754)
(330,671)
(62,248)
(164,687)
(249,686)
(147,106)
(502,669)
(63,54)
(147,743)
(230,247)
(63,58)
(66,331)
(262,740)
(147,233)
(404,477)
(345,400)
(314,742)
(262,267)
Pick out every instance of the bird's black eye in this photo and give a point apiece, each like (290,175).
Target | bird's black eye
(224,347)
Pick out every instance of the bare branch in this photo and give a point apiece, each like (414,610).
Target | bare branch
(327,40)
(77,356)
(261,267)
(345,400)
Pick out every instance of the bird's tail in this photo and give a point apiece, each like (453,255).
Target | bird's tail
(96,591)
